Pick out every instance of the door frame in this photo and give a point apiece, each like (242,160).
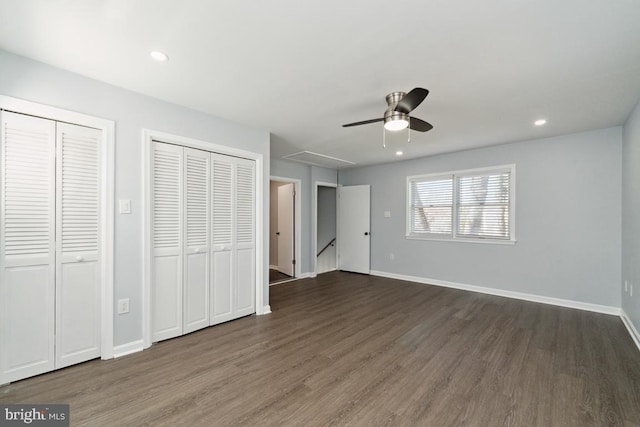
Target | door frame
(107,214)
(314,244)
(297,218)
(148,135)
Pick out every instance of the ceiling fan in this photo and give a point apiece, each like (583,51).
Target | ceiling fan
(399,105)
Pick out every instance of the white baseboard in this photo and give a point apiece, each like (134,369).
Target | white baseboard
(328,271)
(265,310)
(128,348)
(273,267)
(631,328)
(502,293)
(306,275)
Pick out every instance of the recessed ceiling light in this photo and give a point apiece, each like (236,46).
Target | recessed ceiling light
(540,122)
(159,56)
(399,153)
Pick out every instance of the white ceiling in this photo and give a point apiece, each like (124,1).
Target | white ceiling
(301,69)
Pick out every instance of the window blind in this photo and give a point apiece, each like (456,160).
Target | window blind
(432,205)
(483,205)
(471,204)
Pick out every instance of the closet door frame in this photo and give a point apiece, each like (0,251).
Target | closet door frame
(107,182)
(150,135)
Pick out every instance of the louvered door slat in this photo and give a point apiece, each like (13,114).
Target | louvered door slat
(245,205)
(166,206)
(222,200)
(28,176)
(79,188)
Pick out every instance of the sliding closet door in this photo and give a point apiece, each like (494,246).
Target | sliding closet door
(27,245)
(78,300)
(244,237)
(222,238)
(196,258)
(166,212)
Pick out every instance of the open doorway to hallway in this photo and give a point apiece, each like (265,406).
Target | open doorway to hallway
(283,230)
(326,231)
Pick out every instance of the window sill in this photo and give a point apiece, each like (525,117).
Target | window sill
(461,240)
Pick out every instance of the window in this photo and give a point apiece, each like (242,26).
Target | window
(474,205)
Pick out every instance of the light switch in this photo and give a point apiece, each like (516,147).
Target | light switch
(125,206)
(387,214)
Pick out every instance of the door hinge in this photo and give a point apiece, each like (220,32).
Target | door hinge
(293,262)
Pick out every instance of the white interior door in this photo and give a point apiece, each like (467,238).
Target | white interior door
(196,258)
(27,246)
(233,238)
(78,285)
(166,219)
(353,228)
(244,238)
(285,229)
(222,238)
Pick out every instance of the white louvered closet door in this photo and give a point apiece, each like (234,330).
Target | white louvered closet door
(222,277)
(167,242)
(244,237)
(27,257)
(196,250)
(78,234)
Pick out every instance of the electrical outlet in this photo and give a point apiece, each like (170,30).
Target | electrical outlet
(626,286)
(123,306)
(392,256)
(387,214)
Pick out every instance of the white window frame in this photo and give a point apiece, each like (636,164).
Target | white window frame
(454,215)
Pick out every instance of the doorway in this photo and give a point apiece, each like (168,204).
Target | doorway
(326,228)
(284,232)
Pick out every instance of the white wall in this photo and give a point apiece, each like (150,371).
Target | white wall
(568,220)
(308,175)
(33,81)
(631,217)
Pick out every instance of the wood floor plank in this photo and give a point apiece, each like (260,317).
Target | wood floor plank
(351,349)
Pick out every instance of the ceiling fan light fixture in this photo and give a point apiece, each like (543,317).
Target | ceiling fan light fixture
(394,120)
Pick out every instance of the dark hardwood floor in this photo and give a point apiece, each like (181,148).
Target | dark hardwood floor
(276,276)
(350,349)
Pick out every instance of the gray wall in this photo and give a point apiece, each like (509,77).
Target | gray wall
(631,216)
(567,219)
(33,81)
(308,175)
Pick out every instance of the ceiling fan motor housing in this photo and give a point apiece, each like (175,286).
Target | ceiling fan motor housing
(392,101)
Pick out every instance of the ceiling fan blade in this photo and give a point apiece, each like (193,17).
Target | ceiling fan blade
(411,100)
(366,122)
(419,125)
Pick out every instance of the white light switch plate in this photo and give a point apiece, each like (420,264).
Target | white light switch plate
(123,306)
(387,214)
(125,206)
